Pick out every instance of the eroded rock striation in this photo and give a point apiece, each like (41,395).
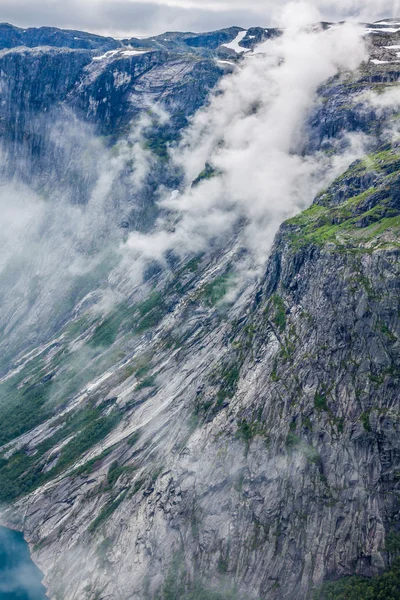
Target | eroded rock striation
(187,447)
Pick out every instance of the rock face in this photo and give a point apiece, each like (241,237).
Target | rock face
(193,449)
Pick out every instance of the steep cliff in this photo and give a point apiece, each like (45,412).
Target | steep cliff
(197,442)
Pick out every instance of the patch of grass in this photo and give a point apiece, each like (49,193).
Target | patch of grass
(158,142)
(214,292)
(229,379)
(106,512)
(245,431)
(142,371)
(115,472)
(176,587)
(106,333)
(127,317)
(152,302)
(248,430)
(146,383)
(320,402)
(23,473)
(92,433)
(292,441)
(138,486)
(364,418)
(207,173)
(133,439)
(151,312)
(279,313)
(358,220)
(90,465)
(23,409)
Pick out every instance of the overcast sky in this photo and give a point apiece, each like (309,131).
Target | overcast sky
(148,17)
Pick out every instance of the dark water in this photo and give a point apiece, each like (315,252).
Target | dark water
(20,579)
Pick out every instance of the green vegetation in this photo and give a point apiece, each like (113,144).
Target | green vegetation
(141,371)
(230,376)
(90,465)
(133,439)
(279,313)
(22,410)
(245,431)
(356,222)
(156,474)
(107,511)
(193,264)
(207,173)
(177,585)
(92,434)
(23,472)
(320,402)
(151,312)
(216,290)
(382,587)
(364,418)
(136,318)
(137,486)
(115,472)
(248,430)
(146,383)
(393,543)
(292,441)
(152,302)
(158,141)
(227,378)
(106,333)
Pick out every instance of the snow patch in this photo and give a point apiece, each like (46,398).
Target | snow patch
(383,30)
(234,45)
(375,61)
(113,53)
(108,54)
(390,23)
(134,52)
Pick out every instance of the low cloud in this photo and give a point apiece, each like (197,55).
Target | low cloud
(60,238)
(251,135)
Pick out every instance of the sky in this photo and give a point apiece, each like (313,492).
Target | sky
(123,18)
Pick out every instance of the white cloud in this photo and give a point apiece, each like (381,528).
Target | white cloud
(55,249)
(148,17)
(250,133)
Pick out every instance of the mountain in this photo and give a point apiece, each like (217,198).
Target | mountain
(205,420)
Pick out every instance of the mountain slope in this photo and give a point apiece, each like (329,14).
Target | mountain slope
(199,439)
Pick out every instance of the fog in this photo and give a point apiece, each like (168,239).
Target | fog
(252,135)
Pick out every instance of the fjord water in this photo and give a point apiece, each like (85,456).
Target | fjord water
(20,578)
